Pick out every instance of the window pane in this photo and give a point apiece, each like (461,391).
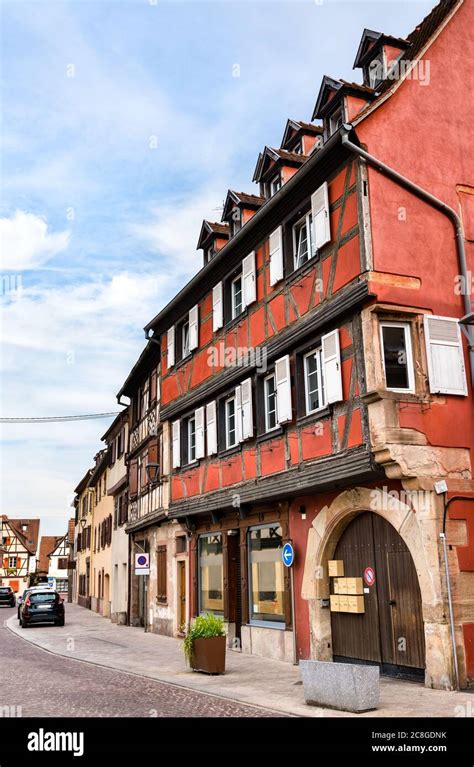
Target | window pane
(270,403)
(192,439)
(236,297)
(211,574)
(395,357)
(314,394)
(185,339)
(266,574)
(231,436)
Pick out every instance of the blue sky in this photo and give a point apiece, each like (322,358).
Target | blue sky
(123,126)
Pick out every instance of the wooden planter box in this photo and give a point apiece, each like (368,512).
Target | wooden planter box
(209,655)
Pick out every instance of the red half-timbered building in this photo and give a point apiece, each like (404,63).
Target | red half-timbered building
(316,380)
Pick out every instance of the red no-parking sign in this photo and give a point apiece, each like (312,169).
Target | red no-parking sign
(369,576)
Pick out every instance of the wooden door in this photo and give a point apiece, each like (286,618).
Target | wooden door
(390,631)
(181,593)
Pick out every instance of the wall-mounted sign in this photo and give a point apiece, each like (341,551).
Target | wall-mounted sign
(369,576)
(142,564)
(288,554)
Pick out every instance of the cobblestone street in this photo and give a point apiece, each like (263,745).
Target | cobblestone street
(46,685)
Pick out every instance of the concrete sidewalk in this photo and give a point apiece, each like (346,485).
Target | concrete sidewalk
(248,679)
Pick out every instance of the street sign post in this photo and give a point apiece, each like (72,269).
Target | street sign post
(288,557)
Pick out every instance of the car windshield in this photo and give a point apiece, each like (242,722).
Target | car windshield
(5,590)
(45,597)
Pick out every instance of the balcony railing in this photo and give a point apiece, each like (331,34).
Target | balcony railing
(145,504)
(147,427)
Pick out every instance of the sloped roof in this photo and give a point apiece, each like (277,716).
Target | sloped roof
(48,544)
(210,229)
(29,537)
(252,201)
(280,156)
(376,38)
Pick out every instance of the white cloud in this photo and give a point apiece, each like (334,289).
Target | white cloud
(26,243)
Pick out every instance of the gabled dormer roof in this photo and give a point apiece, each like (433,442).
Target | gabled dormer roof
(296,128)
(329,89)
(242,200)
(370,44)
(271,156)
(209,231)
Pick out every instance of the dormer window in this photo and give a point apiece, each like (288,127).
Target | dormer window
(376,70)
(210,252)
(298,148)
(274,185)
(335,121)
(235,221)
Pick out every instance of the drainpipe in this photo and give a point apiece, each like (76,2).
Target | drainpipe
(435,203)
(442,535)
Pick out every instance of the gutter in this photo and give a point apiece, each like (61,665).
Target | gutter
(439,205)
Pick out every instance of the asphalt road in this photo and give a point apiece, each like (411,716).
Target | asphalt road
(37,683)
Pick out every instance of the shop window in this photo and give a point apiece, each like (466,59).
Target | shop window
(397,356)
(266,575)
(211,574)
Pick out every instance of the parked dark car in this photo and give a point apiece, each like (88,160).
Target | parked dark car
(42,607)
(27,591)
(7,596)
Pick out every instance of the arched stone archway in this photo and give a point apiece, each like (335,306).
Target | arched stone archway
(415,518)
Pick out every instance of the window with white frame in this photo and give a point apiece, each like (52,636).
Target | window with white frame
(275,184)
(270,402)
(376,70)
(185,350)
(303,248)
(314,381)
(191,429)
(230,423)
(335,121)
(235,221)
(12,562)
(236,296)
(397,356)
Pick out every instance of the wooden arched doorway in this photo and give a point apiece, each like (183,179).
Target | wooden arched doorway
(390,630)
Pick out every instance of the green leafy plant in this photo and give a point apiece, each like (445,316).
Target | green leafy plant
(202,627)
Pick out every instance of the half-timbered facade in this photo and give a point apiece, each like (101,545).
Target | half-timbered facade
(53,562)
(158,601)
(19,543)
(316,383)
(83,503)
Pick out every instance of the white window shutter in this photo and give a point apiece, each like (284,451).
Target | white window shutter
(276,256)
(321,217)
(247,411)
(217,307)
(249,280)
(193,328)
(171,356)
(211,424)
(283,389)
(331,363)
(176,444)
(238,414)
(199,425)
(444,351)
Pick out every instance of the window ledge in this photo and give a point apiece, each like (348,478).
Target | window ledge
(308,266)
(181,362)
(375,395)
(267,625)
(316,416)
(230,451)
(268,435)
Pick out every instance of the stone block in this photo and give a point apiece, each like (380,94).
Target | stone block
(344,686)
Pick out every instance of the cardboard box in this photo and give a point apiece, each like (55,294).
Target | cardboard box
(355,604)
(354,585)
(334,602)
(340,586)
(335,568)
(343,604)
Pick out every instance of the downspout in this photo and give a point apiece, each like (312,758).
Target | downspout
(435,203)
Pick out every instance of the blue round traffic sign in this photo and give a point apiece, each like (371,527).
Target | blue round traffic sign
(288,554)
